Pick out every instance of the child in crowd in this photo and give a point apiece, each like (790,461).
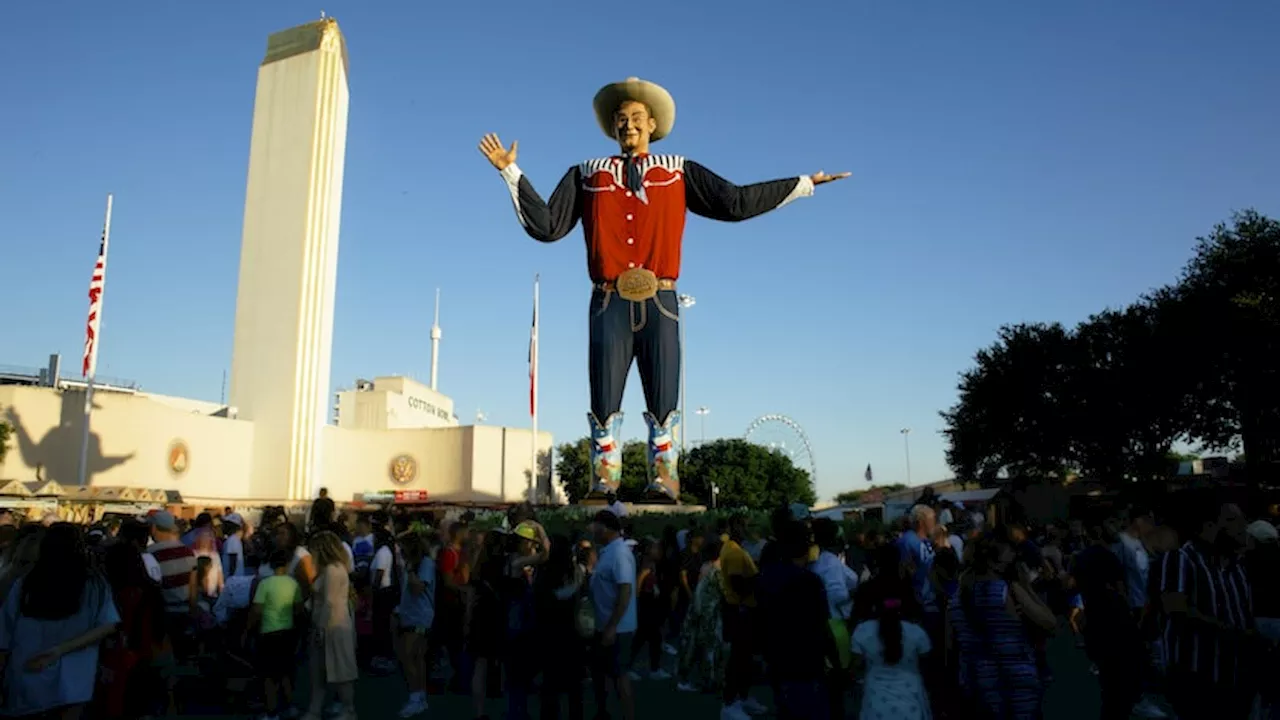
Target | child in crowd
(276,602)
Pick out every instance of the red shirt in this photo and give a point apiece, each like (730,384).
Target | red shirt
(626,229)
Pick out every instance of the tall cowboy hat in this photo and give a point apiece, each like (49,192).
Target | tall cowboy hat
(653,96)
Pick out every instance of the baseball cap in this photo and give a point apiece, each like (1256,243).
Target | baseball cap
(164,520)
(234,519)
(1262,531)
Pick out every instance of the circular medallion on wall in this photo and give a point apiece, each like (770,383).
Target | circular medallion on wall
(179,457)
(403,470)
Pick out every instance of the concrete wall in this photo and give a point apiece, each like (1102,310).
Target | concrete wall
(132,436)
(129,445)
(475,463)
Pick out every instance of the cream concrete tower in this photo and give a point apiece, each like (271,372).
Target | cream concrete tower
(289,255)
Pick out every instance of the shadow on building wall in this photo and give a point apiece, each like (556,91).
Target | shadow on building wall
(56,455)
(545,491)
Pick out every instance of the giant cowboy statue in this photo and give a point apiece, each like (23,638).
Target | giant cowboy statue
(632,207)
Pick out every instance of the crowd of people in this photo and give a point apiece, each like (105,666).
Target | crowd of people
(942,614)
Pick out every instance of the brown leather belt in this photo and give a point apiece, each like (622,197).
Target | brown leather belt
(637,284)
(611,286)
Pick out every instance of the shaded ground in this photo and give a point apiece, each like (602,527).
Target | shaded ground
(1073,695)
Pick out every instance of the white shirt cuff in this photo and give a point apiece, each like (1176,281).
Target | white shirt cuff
(804,188)
(512,175)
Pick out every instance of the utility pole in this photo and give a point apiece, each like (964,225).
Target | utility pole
(906,448)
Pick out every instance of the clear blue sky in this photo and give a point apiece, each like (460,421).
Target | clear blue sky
(1012,161)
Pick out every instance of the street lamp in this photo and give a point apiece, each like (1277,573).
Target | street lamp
(906,448)
(685,302)
(702,413)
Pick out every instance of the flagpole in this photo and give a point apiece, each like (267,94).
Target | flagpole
(533,405)
(93,357)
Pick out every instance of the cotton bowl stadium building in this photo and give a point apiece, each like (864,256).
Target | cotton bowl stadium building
(391,436)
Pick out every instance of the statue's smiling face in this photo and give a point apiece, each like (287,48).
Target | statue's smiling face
(632,126)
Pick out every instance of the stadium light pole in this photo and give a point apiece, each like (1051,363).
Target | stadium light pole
(906,448)
(685,302)
(702,413)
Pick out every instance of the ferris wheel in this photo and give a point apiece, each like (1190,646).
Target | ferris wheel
(781,433)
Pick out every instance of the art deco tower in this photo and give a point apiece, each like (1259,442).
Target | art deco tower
(289,255)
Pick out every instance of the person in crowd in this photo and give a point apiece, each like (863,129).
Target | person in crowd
(888,650)
(20,556)
(276,602)
(797,644)
(559,592)
(894,577)
(1262,561)
(703,653)
(454,575)
(917,548)
(51,626)
(669,589)
(1111,634)
(527,550)
(486,617)
(332,646)
(841,585)
(301,565)
(385,579)
(126,678)
(202,523)
(997,661)
(1209,627)
(177,564)
(738,575)
(691,562)
(205,548)
(613,594)
(651,606)
(233,556)
(415,614)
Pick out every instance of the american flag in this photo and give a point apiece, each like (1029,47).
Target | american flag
(96,285)
(533,355)
(867,474)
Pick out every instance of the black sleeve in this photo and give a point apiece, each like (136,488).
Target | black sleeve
(546,221)
(711,196)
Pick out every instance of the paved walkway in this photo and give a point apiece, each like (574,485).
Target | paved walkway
(1073,695)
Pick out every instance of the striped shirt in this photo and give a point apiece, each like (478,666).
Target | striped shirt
(177,562)
(1215,588)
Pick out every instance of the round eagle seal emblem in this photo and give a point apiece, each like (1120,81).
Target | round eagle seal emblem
(179,457)
(403,470)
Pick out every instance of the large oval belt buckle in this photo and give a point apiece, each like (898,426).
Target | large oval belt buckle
(637,284)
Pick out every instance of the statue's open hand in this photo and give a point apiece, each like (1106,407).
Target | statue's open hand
(493,149)
(820,177)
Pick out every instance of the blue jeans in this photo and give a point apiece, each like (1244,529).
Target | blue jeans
(647,332)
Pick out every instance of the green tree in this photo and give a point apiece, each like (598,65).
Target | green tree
(1126,408)
(1229,303)
(746,475)
(1011,416)
(635,471)
(574,469)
